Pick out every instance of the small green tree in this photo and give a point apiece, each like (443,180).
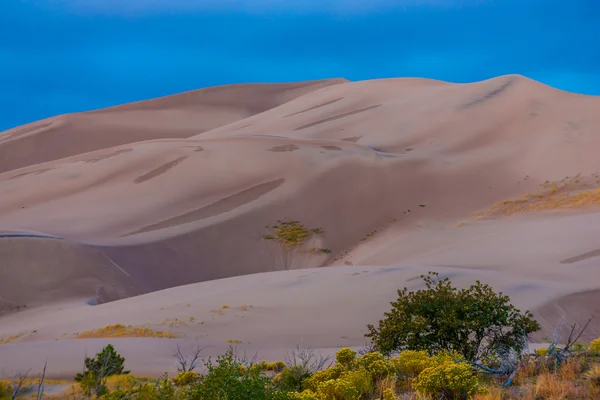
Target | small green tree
(106,363)
(475,322)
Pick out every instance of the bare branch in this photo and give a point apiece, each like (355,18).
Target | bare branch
(187,364)
(573,337)
(307,359)
(19,386)
(41,386)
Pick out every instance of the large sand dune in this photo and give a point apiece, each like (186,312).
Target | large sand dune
(145,197)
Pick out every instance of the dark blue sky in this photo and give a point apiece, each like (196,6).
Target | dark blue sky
(61,56)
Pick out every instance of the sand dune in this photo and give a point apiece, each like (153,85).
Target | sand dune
(178,116)
(149,196)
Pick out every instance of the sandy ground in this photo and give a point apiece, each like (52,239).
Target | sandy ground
(171,199)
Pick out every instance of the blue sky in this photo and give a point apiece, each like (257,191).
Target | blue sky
(61,56)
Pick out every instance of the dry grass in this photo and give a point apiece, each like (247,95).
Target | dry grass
(569,193)
(124,382)
(493,394)
(33,382)
(388,383)
(551,386)
(11,338)
(173,322)
(116,331)
(571,369)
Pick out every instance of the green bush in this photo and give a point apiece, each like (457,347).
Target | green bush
(106,363)
(226,380)
(472,322)
(292,378)
(448,380)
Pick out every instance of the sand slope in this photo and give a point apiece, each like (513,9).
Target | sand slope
(389,169)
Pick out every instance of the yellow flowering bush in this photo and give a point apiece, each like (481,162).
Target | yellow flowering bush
(388,394)
(270,366)
(359,379)
(305,395)
(338,389)
(595,345)
(375,364)
(542,351)
(185,378)
(411,362)
(315,380)
(449,379)
(345,357)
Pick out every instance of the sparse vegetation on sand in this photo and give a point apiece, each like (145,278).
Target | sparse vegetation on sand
(568,193)
(435,343)
(291,236)
(120,331)
(11,338)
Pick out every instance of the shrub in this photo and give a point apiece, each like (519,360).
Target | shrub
(542,351)
(226,380)
(345,357)
(448,380)
(595,345)
(361,380)
(375,364)
(313,382)
(106,363)
(388,394)
(305,395)
(411,362)
(292,378)
(185,378)
(338,389)
(472,322)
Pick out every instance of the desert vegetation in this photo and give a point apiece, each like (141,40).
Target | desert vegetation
(118,330)
(291,237)
(439,342)
(568,193)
